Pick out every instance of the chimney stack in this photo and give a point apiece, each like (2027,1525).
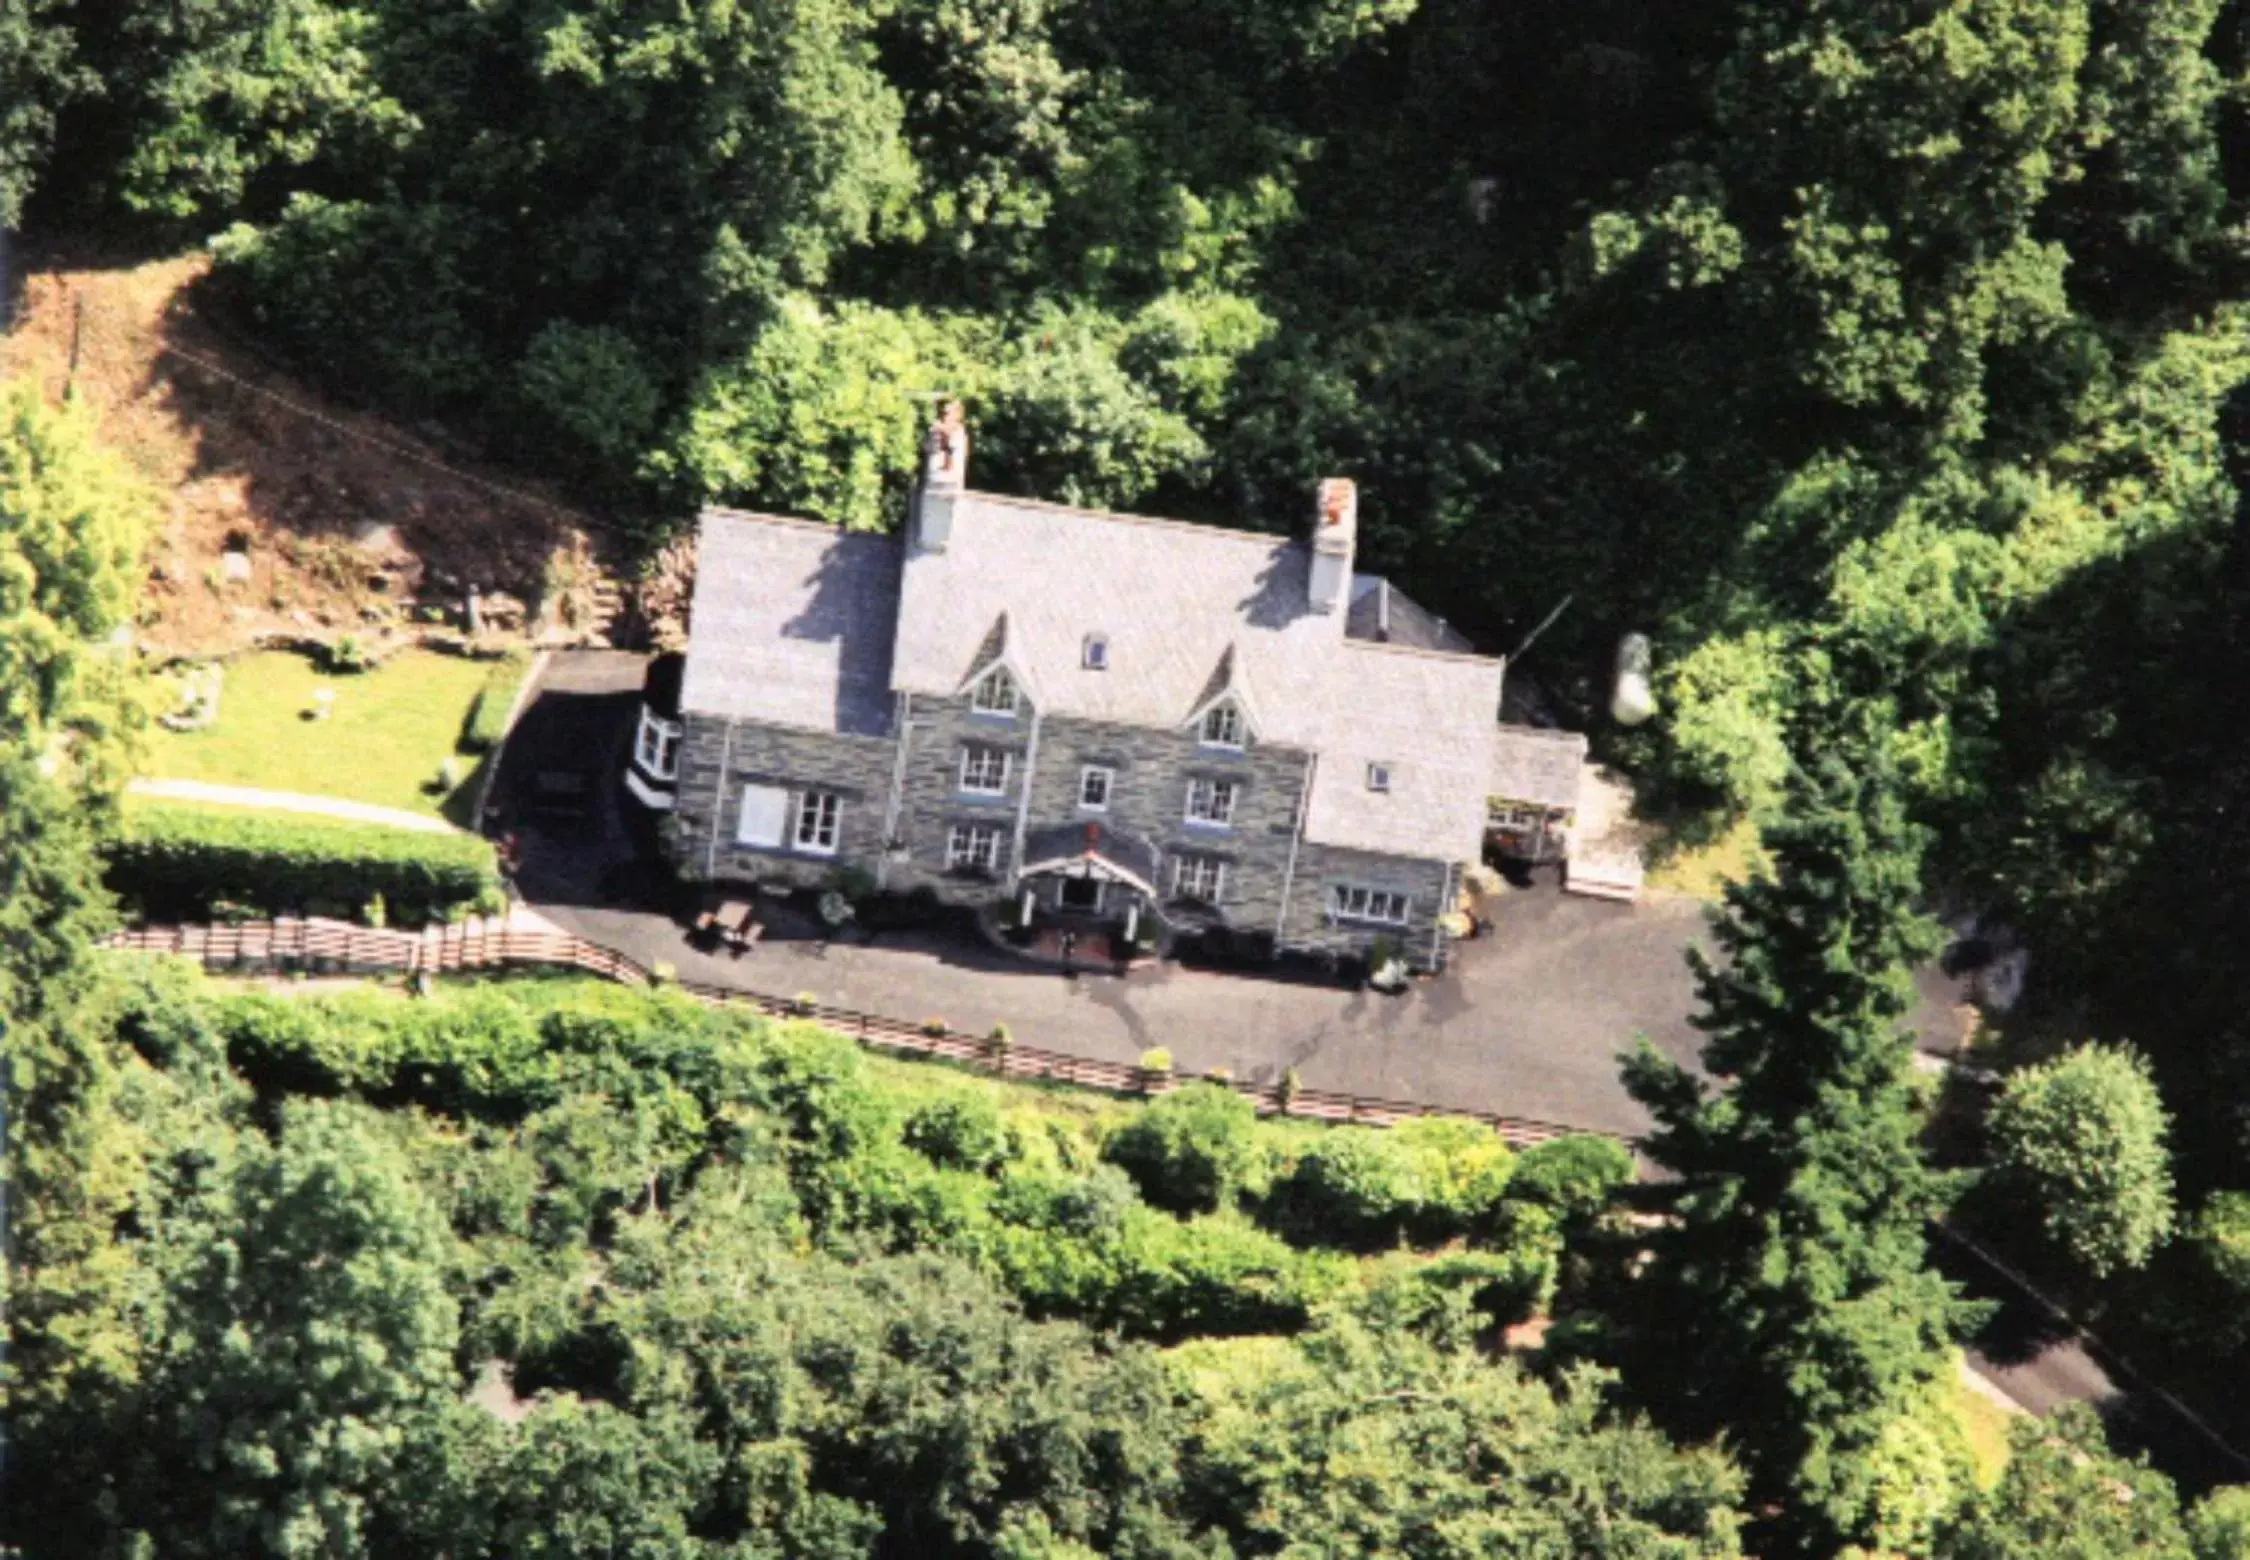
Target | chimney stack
(945,474)
(1335,531)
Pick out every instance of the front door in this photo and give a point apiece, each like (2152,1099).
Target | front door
(1082,893)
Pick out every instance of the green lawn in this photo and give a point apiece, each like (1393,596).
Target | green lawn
(387,733)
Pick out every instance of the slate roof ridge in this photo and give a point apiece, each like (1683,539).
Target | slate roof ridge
(1197,527)
(801,522)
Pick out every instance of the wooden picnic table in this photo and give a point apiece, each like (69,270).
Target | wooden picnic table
(736,923)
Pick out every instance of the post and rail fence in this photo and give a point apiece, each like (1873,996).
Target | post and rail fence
(318,946)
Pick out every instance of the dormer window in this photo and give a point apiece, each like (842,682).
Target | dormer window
(1096,656)
(1222,726)
(1379,777)
(995,694)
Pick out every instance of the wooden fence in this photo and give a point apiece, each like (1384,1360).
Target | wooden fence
(319,946)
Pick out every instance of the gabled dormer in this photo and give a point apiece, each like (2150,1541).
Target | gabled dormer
(997,684)
(1225,715)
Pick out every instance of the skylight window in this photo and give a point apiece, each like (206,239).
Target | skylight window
(1379,777)
(1097,652)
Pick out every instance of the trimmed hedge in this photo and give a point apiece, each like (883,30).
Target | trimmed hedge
(487,721)
(181,861)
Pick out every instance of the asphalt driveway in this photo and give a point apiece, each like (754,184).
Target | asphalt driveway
(1528,1022)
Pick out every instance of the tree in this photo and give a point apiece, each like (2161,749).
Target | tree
(1373,1438)
(1788,1303)
(2219,1526)
(38,73)
(305,1339)
(2065,1497)
(2083,1138)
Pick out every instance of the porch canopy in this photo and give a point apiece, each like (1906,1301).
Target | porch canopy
(1083,849)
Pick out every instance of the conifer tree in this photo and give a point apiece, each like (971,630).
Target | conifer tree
(1790,1306)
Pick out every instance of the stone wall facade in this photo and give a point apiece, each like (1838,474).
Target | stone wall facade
(718,757)
(1429,887)
(1151,770)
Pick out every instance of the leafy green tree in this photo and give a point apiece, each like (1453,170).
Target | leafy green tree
(39,71)
(1367,1439)
(1789,1302)
(2219,1525)
(306,1335)
(2083,1137)
(72,523)
(2065,1497)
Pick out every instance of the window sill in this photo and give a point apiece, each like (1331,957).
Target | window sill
(1207,825)
(1367,921)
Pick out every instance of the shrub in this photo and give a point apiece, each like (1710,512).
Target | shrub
(961,1132)
(1083,1205)
(1354,1184)
(2083,1139)
(1190,1150)
(1575,1176)
(347,655)
(179,860)
(1462,1168)
(1156,1059)
(2219,1526)
(486,725)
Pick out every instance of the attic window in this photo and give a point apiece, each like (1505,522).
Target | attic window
(1378,777)
(1097,652)
(1222,726)
(996,694)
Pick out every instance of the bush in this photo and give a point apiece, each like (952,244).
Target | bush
(1575,1176)
(1356,1184)
(1463,1169)
(2219,1526)
(1190,1150)
(486,725)
(180,861)
(962,1132)
(1156,1059)
(2082,1138)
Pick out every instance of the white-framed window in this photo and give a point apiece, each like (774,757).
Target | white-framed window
(1212,801)
(1378,777)
(1222,726)
(657,748)
(975,846)
(764,819)
(984,770)
(995,693)
(1352,902)
(1095,782)
(818,813)
(1096,655)
(1199,877)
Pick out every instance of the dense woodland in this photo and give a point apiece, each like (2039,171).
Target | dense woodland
(1883,360)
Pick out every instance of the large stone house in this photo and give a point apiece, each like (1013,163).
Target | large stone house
(1156,729)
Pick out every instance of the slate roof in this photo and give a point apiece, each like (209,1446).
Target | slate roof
(1383,614)
(792,624)
(1536,766)
(1174,600)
